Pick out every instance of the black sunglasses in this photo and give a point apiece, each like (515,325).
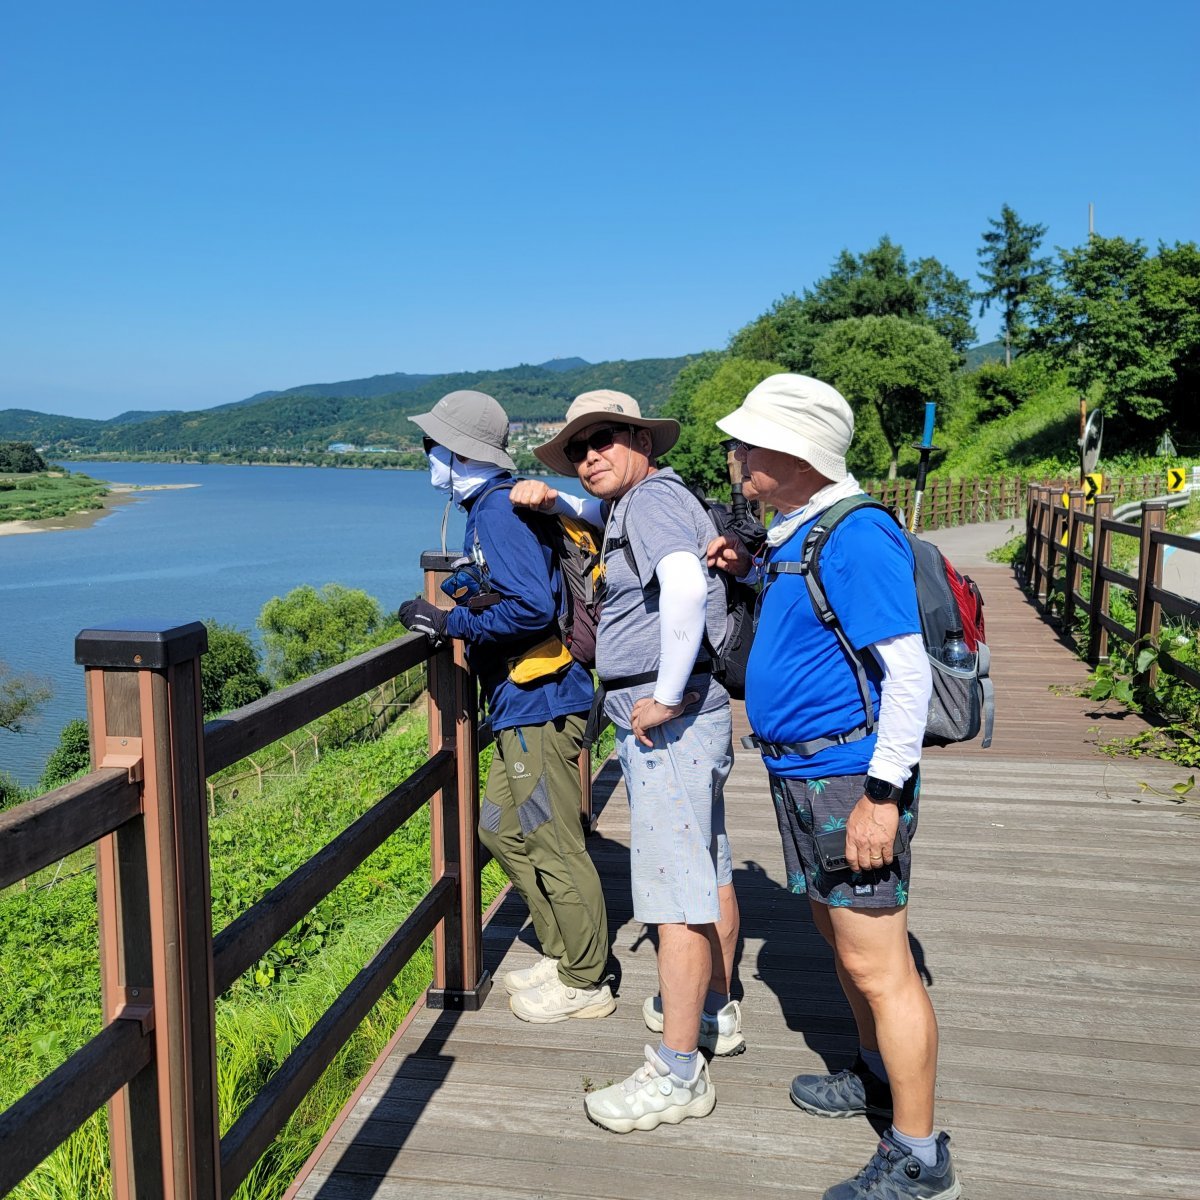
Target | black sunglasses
(576,450)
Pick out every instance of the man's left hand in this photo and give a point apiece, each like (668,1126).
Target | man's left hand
(648,712)
(871,834)
(419,616)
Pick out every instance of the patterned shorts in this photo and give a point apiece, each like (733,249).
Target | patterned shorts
(679,854)
(803,806)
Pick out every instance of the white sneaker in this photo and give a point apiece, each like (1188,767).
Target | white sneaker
(542,971)
(556,1001)
(720,1035)
(650,1097)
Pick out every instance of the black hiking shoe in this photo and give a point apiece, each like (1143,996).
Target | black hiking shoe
(850,1093)
(894,1174)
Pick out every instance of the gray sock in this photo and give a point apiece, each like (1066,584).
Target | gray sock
(874,1060)
(680,1063)
(924,1150)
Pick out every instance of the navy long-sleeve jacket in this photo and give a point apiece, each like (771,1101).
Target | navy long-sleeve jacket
(522,571)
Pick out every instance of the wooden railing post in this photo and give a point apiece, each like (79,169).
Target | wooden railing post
(459,980)
(1098,606)
(1075,529)
(145,714)
(1149,613)
(1031,519)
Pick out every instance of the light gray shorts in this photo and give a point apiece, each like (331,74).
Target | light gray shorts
(679,854)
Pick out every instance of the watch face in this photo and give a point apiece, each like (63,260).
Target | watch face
(879,789)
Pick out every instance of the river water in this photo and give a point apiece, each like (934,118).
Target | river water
(220,549)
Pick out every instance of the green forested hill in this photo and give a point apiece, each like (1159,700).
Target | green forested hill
(361,411)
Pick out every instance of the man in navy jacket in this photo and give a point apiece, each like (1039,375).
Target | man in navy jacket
(537,697)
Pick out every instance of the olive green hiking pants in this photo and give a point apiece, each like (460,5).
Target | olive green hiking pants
(529,819)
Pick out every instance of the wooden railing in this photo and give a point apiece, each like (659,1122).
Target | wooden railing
(1063,541)
(997,498)
(154,1061)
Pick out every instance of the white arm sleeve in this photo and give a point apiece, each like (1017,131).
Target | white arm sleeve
(903,706)
(588,510)
(682,601)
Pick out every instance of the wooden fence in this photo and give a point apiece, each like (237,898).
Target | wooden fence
(1062,542)
(996,498)
(144,806)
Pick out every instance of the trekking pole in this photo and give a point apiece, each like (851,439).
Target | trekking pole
(738,507)
(925,447)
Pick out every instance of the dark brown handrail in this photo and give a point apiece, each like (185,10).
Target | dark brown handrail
(237,735)
(255,1129)
(31,1128)
(247,938)
(58,823)
(1150,599)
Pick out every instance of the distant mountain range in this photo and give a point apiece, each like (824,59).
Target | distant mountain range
(360,412)
(364,412)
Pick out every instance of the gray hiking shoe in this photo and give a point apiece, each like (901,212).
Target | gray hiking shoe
(894,1174)
(721,1035)
(849,1093)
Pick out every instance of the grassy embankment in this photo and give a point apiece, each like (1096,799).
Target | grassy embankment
(36,497)
(50,1004)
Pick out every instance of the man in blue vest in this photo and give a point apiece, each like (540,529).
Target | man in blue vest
(831,771)
(537,700)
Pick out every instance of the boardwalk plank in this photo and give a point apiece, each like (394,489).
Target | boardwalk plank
(1053,907)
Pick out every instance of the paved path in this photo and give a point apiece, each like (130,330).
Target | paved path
(1054,916)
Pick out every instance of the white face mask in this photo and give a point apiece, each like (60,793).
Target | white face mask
(439,469)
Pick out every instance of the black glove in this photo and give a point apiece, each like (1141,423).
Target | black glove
(419,616)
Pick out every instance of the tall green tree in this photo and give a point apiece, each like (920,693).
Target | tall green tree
(20,698)
(311,629)
(1127,322)
(881,282)
(1011,271)
(891,366)
(699,455)
(230,671)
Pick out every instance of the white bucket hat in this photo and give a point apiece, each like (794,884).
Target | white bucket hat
(592,408)
(471,425)
(796,415)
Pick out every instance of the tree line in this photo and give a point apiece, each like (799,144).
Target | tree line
(1115,321)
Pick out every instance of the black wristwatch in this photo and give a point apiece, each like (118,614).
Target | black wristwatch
(881,791)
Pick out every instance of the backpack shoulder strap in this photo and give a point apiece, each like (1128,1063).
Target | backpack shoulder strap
(477,555)
(809,567)
(621,541)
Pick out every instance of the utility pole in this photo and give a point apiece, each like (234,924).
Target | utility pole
(1091,220)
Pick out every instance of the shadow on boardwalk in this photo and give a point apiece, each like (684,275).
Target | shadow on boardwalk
(1055,914)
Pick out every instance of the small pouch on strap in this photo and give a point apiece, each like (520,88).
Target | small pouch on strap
(547,658)
(595,719)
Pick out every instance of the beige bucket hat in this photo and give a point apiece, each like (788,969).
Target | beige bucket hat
(471,425)
(593,408)
(797,415)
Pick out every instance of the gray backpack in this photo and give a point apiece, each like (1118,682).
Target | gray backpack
(951,606)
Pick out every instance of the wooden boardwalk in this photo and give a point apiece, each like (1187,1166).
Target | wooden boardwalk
(1056,922)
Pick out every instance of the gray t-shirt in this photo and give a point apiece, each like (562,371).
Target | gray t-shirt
(658,518)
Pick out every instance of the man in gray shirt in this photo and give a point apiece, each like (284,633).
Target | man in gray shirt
(664,610)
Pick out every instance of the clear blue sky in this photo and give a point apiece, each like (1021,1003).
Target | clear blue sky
(203,201)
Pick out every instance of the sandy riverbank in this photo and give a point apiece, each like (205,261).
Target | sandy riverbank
(118,493)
